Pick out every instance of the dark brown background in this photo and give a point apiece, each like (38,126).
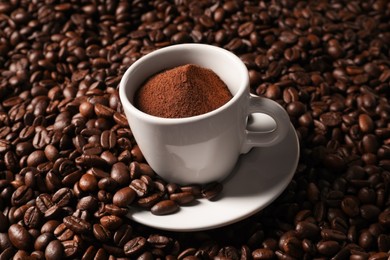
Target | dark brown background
(67,153)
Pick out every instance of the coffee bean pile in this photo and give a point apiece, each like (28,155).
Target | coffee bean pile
(69,165)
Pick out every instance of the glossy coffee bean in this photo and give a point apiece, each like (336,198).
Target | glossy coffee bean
(135,246)
(120,173)
(182,198)
(54,250)
(42,241)
(124,197)
(77,225)
(20,237)
(164,207)
(101,233)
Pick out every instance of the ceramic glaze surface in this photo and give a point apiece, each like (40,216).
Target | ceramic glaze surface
(202,148)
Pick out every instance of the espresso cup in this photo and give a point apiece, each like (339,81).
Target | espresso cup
(203,148)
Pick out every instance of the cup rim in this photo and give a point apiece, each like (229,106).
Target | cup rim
(168,121)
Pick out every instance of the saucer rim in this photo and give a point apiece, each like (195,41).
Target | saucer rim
(282,184)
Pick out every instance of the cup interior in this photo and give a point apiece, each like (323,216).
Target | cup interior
(225,64)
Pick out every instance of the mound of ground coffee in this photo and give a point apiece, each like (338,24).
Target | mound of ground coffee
(183,91)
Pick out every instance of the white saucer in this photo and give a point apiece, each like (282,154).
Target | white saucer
(259,178)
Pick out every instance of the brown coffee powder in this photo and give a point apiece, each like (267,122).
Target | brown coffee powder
(183,91)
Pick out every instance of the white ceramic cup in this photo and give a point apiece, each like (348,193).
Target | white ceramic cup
(202,148)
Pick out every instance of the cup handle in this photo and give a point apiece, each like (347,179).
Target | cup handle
(265,139)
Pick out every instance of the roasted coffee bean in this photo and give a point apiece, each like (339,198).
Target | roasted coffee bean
(384,218)
(149,201)
(120,173)
(212,190)
(182,198)
(173,187)
(4,241)
(92,149)
(104,196)
(18,213)
(109,157)
(88,183)
(26,133)
(71,178)
(101,233)
(124,197)
(120,119)
(306,229)
(90,253)
(115,210)
(86,108)
(296,108)
(54,250)
(42,241)
(62,197)
(383,242)
(350,206)
(309,247)
(159,241)
(53,211)
(91,161)
(71,248)
(32,217)
(20,254)
(140,187)
(159,186)
(51,152)
(102,110)
(108,139)
(375,229)
(328,248)
(123,234)
(379,256)
(41,139)
(370,212)
(331,119)
(21,195)
(291,245)
(113,250)
(331,234)
(145,169)
(135,246)
(227,252)
(101,254)
(164,207)
(53,180)
(137,154)
(77,225)
(187,253)
(196,190)
(88,203)
(149,181)
(366,240)
(4,145)
(263,253)
(111,222)
(8,253)
(63,233)
(50,226)
(108,184)
(79,142)
(20,237)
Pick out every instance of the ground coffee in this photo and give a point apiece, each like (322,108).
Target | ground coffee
(183,91)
